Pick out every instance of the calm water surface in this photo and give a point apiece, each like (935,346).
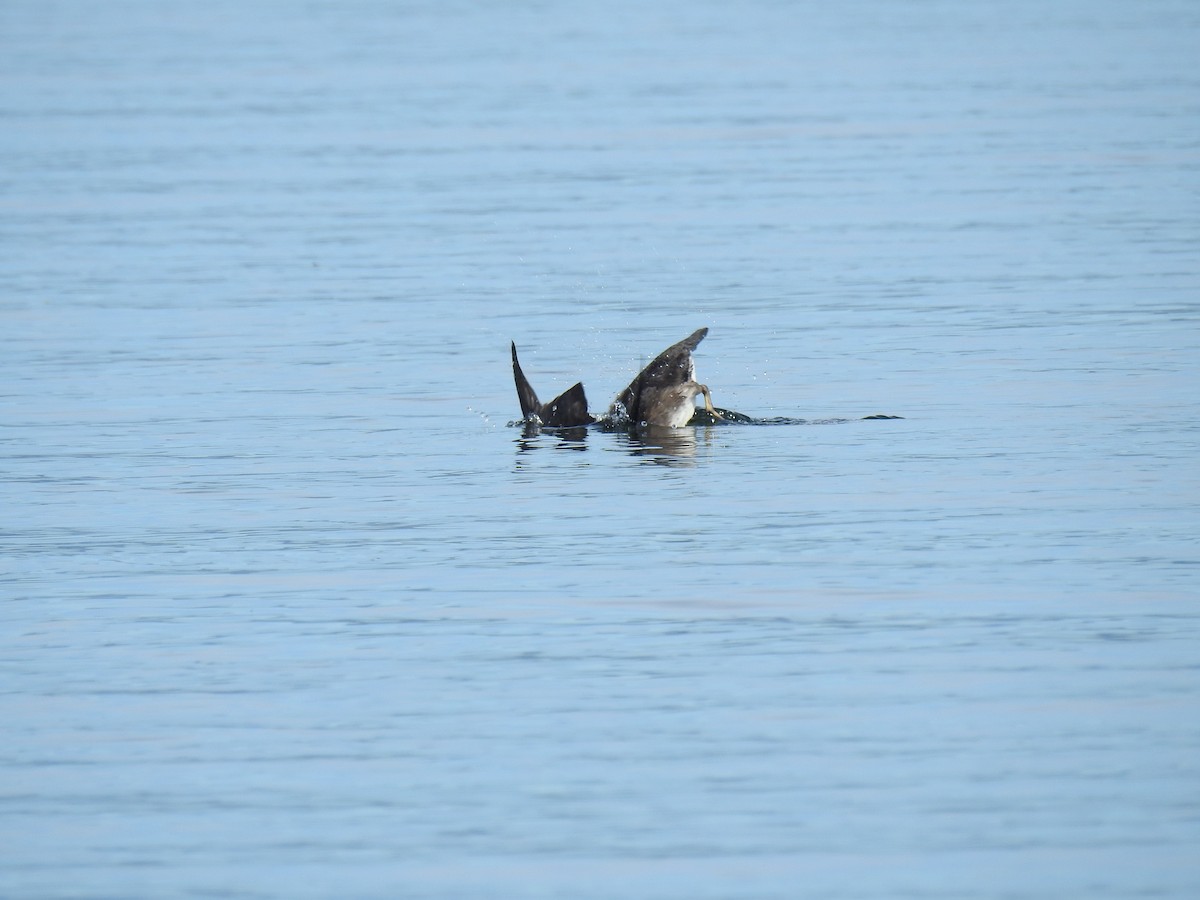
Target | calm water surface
(292,610)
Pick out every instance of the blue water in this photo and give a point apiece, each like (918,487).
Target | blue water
(290,609)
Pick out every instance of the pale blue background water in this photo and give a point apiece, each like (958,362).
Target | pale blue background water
(291,611)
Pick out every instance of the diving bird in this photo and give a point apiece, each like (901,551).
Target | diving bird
(567,410)
(664,392)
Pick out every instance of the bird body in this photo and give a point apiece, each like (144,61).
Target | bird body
(663,394)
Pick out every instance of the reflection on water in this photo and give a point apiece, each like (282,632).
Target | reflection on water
(668,446)
(535,437)
(659,444)
(655,444)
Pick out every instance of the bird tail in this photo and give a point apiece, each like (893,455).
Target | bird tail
(568,409)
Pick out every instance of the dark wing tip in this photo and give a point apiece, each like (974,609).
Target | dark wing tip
(525,393)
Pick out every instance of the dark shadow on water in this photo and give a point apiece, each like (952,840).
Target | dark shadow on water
(730,417)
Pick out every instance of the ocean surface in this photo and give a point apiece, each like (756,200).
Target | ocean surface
(293,608)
